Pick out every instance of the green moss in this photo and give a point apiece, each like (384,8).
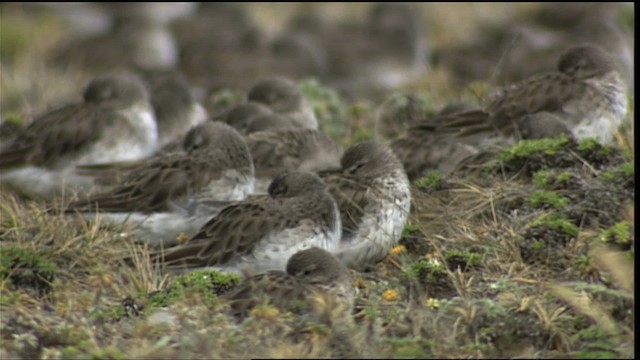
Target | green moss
(109,352)
(71,352)
(620,173)
(361,134)
(596,343)
(410,229)
(547,199)
(207,284)
(537,245)
(526,148)
(431,181)
(588,144)
(224,98)
(582,261)
(329,107)
(542,178)
(299,305)
(26,268)
(628,18)
(620,233)
(463,256)
(14,119)
(431,269)
(559,223)
(15,37)
(547,178)
(111,314)
(593,151)
(404,348)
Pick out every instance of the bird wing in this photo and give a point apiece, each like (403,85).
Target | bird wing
(274,152)
(235,231)
(544,92)
(351,197)
(150,187)
(276,288)
(61,132)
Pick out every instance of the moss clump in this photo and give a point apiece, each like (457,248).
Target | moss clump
(329,107)
(595,343)
(462,259)
(597,154)
(20,34)
(591,144)
(360,130)
(224,99)
(14,119)
(628,18)
(432,181)
(409,230)
(432,274)
(620,235)
(558,223)
(623,175)
(545,240)
(404,348)
(208,284)
(25,268)
(128,307)
(547,199)
(526,148)
(528,156)
(425,268)
(549,179)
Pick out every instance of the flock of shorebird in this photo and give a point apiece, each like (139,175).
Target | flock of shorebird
(258,186)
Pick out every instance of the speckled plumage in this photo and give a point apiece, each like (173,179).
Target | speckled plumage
(291,149)
(586,92)
(215,166)
(284,97)
(263,231)
(315,281)
(114,123)
(372,192)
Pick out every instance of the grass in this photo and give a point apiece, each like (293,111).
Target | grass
(494,266)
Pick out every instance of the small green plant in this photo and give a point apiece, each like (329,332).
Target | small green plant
(224,98)
(620,174)
(589,144)
(403,348)
(207,284)
(526,148)
(429,269)
(546,178)
(462,258)
(548,199)
(410,229)
(26,268)
(328,105)
(558,223)
(595,343)
(620,234)
(433,180)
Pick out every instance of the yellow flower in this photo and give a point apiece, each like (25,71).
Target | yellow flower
(182,238)
(399,249)
(390,295)
(265,312)
(433,303)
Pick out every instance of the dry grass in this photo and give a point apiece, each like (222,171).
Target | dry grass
(470,281)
